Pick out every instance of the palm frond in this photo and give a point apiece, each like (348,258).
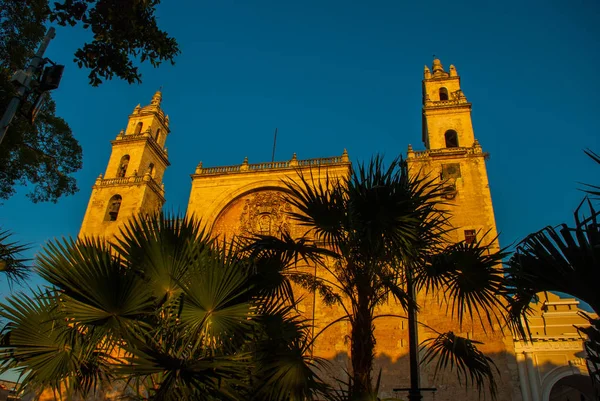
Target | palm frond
(275,262)
(461,354)
(187,370)
(39,342)
(471,279)
(96,287)
(160,248)
(393,212)
(321,206)
(285,369)
(216,305)
(592,348)
(12,264)
(563,259)
(593,190)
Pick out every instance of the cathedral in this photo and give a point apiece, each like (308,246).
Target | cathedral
(248,198)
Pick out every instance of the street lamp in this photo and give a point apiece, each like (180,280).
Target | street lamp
(48,80)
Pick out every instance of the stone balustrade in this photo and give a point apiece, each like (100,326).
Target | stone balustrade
(133,179)
(450,102)
(420,154)
(294,163)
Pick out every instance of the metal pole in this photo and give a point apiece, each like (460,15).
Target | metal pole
(15,102)
(414,394)
(274,145)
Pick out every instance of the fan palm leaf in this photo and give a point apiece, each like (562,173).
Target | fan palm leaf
(49,352)
(97,288)
(216,305)
(162,247)
(461,354)
(285,370)
(12,264)
(469,278)
(187,369)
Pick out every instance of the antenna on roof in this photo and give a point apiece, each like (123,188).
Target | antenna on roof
(274,145)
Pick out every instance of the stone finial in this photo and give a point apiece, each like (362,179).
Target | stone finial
(199,168)
(156,99)
(122,132)
(147,176)
(148,132)
(99,179)
(453,72)
(426,73)
(137,109)
(167,120)
(244,166)
(166,151)
(476,144)
(294,161)
(345,157)
(410,153)
(437,65)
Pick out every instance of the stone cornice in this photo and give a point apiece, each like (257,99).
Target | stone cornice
(447,77)
(152,111)
(555,343)
(133,138)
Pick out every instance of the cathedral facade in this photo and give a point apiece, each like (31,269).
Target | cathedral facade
(248,198)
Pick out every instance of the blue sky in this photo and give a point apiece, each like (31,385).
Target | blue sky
(332,75)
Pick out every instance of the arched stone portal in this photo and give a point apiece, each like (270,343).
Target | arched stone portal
(572,388)
(262,211)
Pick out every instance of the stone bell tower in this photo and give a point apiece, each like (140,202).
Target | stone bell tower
(454,155)
(132,183)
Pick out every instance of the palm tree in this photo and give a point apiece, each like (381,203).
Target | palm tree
(384,237)
(163,313)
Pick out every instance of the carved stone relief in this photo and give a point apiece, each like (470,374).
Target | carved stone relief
(265,213)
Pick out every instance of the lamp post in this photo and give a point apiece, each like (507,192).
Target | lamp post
(414,393)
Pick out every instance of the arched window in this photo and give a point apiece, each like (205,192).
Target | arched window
(157,135)
(451,139)
(151,169)
(123,166)
(114,204)
(443,94)
(138,128)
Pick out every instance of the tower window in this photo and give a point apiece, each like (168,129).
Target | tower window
(151,169)
(451,139)
(443,94)
(114,204)
(138,128)
(123,166)
(470,236)
(157,135)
